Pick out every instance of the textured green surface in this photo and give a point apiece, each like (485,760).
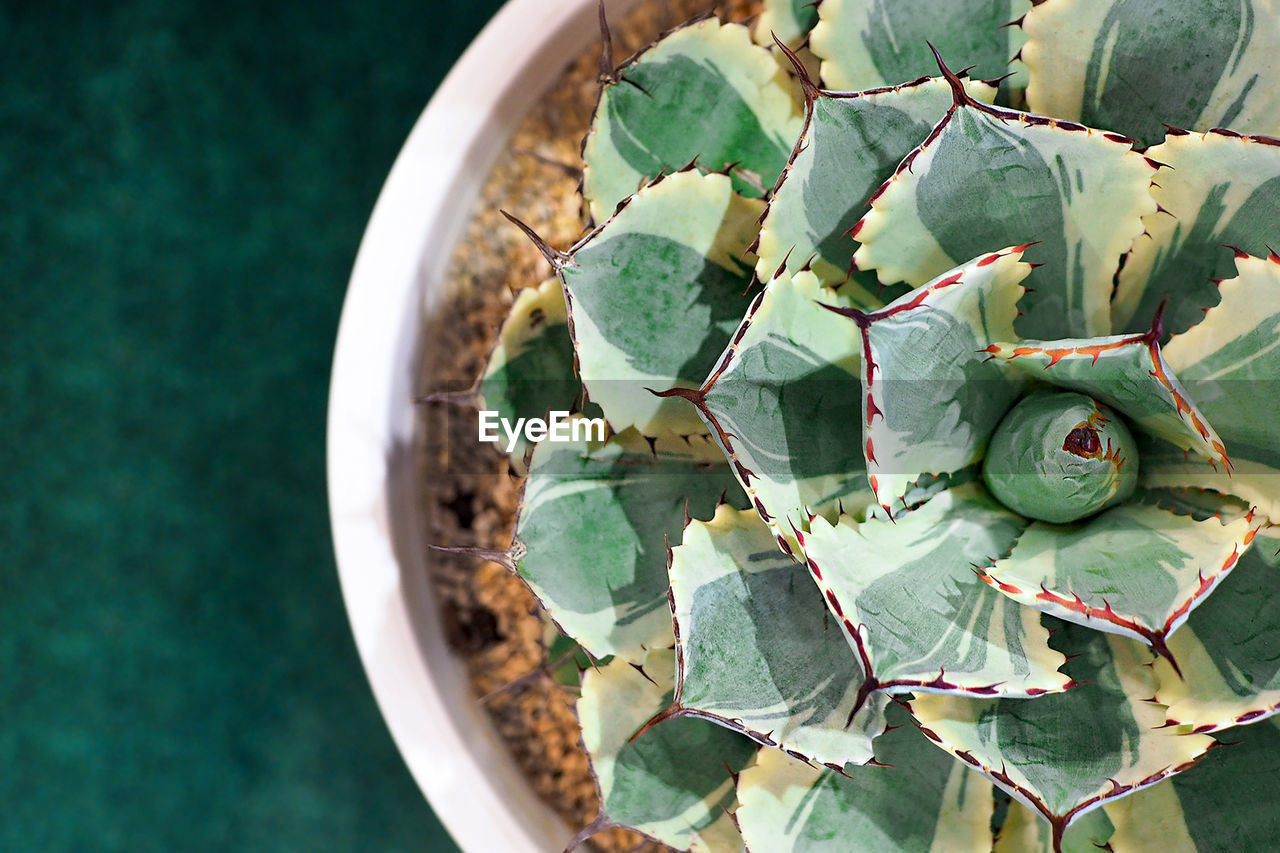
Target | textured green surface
(186,185)
(1059,456)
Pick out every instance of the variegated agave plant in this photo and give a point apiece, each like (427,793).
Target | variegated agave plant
(948,523)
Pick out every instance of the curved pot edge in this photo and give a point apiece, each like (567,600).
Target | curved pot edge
(442,733)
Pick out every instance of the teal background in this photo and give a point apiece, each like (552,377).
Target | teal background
(185,185)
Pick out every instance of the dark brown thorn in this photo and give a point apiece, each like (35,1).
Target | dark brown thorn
(658,178)
(608,71)
(860,317)
(864,690)
(569,169)
(959,95)
(597,826)
(1272,255)
(1059,828)
(807,85)
(641,89)
(1160,647)
(782,267)
(503,558)
(995,82)
(669,713)
(1157,323)
(640,669)
(693,395)
(558,260)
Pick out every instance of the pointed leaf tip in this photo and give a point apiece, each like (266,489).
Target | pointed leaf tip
(668,713)
(953,80)
(608,72)
(693,395)
(859,317)
(807,84)
(558,259)
(506,559)
(1157,322)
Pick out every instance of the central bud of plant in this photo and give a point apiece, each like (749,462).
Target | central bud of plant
(1059,456)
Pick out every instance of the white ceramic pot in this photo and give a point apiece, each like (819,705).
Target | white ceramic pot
(441,731)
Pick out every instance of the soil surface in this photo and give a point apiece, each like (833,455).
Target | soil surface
(491,619)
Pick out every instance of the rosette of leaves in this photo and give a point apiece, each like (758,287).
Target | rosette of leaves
(936,512)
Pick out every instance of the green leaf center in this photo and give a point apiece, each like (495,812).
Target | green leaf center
(1059,456)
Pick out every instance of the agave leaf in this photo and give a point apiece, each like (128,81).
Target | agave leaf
(1025,831)
(1109,63)
(1135,570)
(1223,190)
(1167,466)
(1230,363)
(674,782)
(850,145)
(755,650)
(1199,503)
(704,91)
(1065,754)
(1227,651)
(1129,374)
(783,403)
(866,43)
(531,371)
(992,177)
(1228,803)
(787,20)
(905,595)
(655,293)
(924,801)
(931,403)
(590,534)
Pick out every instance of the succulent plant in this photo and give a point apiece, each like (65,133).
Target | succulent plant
(936,506)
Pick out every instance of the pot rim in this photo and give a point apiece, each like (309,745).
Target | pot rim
(421,688)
